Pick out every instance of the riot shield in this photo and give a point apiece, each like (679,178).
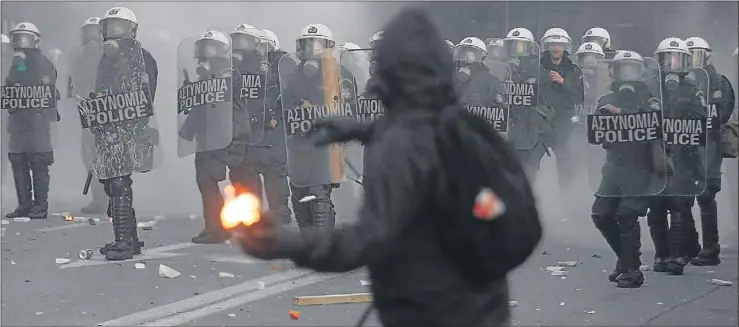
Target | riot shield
(311,90)
(596,83)
(83,69)
(481,93)
(356,76)
(521,93)
(119,113)
(29,107)
(205,107)
(501,70)
(685,127)
(625,153)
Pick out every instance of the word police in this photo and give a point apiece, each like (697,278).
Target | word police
(684,131)
(115,108)
(521,94)
(626,128)
(498,117)
(252,86)
(28,97)
(209,91)
(300,120)
(370,110)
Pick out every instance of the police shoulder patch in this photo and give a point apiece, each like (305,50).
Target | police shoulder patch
(499,98)
(654,105)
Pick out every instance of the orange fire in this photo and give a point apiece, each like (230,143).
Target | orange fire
(239,209)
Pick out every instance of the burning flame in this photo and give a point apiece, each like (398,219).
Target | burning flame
(239,209)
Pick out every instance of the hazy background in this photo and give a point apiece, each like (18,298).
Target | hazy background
(171,188)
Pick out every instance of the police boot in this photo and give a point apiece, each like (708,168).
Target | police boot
(303,212)
(213,232)
(23,188)
(678,235)
(630,236)
(99,200)
(658,230)
(609,229)
(692,243)
(708,256)
(137,244)
(41,180)
(122,248)
(324,215)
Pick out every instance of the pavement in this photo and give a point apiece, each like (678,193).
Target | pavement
(36,290)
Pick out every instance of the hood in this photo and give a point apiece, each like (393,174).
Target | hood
(415,68)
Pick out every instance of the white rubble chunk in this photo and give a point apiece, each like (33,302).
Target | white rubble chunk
(365,282)
(146,224)
(232,315)
(721,282)
(261,286)
(160,218)
(591,312)
(62,261)
(12,262)
(139,265)
(225,275)
(555,268)
(5,222)
(559,273)
(512,304)
(193,217)
(567,264)
(21,219)
(168,272)
(193,276)
(561,304)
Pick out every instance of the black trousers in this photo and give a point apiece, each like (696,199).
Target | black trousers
(617,218)
(31,177)
(315,213)
(670,237)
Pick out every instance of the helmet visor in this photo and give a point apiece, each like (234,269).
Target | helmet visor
(628,71)
(557,42)
(699,58)
(673,62)
(244,42)
(116,28)
(589,58)
(90,32)
(23,40)
(466,54)
(519,48)
(597,39)
(496,52)
(312,48)
(209,48)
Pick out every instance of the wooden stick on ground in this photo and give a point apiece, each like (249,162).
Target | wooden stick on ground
(333,299)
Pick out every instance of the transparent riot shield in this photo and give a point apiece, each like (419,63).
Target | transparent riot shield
(83,69)
(625,154)
(119,113)
(521,93)
(311,91)
(685,125)
(356,78)
(29,107)
(596,83)
(481,93)
(501,70)
(205,106)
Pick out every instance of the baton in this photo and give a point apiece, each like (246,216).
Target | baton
(87,183)
(187,76)
(546,150)
(354,170)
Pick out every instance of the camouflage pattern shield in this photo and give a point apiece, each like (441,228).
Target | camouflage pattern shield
(29,107)
(119,113)
(625,153)
(685,126)
(311,90)
(482,95)
(521,93)
(205,107)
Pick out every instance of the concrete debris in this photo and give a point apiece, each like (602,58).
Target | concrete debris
(721,282)
(167,272)
(62,261)
(225,275)
(561,304)
(555,268)
(146,225)
(512,304)
(590,312)
(567,264)
(21,219)
(559,273)
(232,315)
(5,222)
(261,286)
(139,265)
(365,282)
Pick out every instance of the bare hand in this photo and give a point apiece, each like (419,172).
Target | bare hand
(273,123)
(611,108)
(305,104)
(556,77)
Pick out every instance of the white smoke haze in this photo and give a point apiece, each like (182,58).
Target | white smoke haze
(171,188)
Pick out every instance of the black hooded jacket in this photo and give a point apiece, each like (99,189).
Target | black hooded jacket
(562,97)
(431,262)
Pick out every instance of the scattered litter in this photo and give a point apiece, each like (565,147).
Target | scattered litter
(160,218)
(512,304)
(139,265)
(720,282)
(225,275)
(62,261)
(645,268)
(261,286)
(86,254)
(561,304)
(12,262)
(193,276)
(710,271)
(546,253)
(294,315)
(596,256)
(17,233)
(578,289)
(307,199)
(563,277)
(146,225)
(21,219)
(365,282)
(567,249)
(567,264)
(590,312)
(5,222)
(232,315)
(67,216)
(193,217)
(660,303)
(555,268)
(93,221)
(39,313)
(168,272)
(559,273)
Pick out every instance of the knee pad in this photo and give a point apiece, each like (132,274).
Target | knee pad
(120,186)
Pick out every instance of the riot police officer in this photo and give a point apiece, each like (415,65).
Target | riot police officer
(562,89)
(7,59)
(474,82)
(681,100)
(600,36)
(721,107)
(91,41)
(30,128)
(626,172)
(123,148)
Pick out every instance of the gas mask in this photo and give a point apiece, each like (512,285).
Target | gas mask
(111,48)
(626,87)
(19,57)
(310,67)
(264,66)
(373,67)
(203,69)
(672,81)
(464,73)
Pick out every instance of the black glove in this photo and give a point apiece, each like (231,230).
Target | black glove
(260,240)
(339,129)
